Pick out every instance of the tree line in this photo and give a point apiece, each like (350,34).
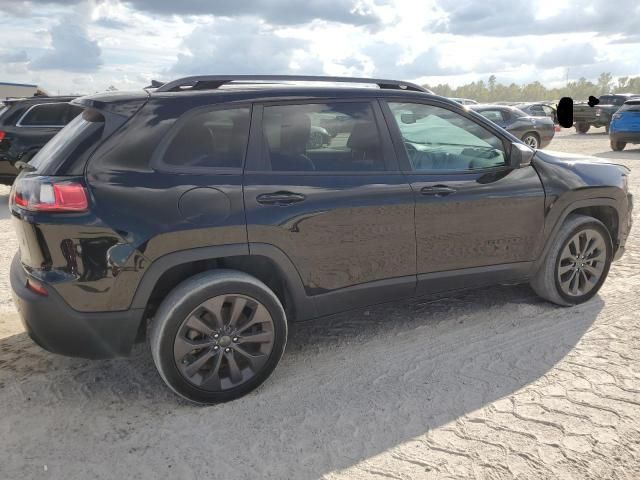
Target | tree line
(492,91)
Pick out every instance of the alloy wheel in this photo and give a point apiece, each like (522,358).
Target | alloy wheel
(224,342)
(531,141)
(582,263)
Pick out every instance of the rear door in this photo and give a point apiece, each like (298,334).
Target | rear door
(333,200)
(477,219)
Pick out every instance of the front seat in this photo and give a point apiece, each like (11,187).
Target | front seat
(295,131)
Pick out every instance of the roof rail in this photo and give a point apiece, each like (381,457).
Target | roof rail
(212,82)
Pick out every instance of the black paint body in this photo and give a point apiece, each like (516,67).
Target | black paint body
(357,239)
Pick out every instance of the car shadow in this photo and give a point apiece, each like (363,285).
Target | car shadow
(349,387)
(623,155)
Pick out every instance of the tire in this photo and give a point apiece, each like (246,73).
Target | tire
(205,374)
(547,280)
(582,127)
(531,139)
(618,146)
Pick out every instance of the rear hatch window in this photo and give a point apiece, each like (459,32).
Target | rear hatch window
(65,154)
(630,107)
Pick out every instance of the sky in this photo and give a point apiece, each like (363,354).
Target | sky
(85,46)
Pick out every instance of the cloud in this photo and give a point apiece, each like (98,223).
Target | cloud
(112,23)
(388,62)
(14,57)
(244,47)
(507,18)
(23,7)
(276,12)
(72,50)
(567,56)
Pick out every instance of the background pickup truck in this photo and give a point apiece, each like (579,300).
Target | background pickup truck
(584,116)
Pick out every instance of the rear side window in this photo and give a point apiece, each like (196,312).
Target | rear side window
(322,137)
(49,115)
(208,139)
(493,115)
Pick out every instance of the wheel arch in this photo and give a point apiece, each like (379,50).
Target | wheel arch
(603,209)
(262,261)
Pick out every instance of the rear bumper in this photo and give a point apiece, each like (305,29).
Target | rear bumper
(626,137)
(58,328)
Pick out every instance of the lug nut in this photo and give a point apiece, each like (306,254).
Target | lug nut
(216,347)
(227,350)
(215,335)
(235,339)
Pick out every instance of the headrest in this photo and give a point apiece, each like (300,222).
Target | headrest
(295,133)
(364,136)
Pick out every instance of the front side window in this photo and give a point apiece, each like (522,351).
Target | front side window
(47,115)
(209,139)
(322,137)
(437,139)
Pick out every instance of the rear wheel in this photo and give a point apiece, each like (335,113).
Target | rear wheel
(217,336)
(577,263)
(617,146)
(582,127)
(531,139)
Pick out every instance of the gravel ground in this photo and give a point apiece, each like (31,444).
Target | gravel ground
(491,384)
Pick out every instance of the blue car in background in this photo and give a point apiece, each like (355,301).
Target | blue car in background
(625,125)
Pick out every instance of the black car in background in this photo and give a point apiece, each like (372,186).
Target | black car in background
(537,132)
(585,116)
(539,109)
(199,217)
(26,125)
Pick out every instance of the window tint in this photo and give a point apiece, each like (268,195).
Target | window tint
(47,115)
(438,139)
(210,139)
(74,140)
(493,115)
(322,137)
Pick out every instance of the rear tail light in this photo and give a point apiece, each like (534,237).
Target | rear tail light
(598,112)
(616,116)
(37,288)
(2,135)
(42,194)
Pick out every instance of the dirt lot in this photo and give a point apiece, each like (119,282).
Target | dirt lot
(489,384)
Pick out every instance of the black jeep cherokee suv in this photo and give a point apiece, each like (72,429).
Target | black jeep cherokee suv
(201,215)
(26,125)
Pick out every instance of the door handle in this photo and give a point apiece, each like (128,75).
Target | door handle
(280,198)
(437,190)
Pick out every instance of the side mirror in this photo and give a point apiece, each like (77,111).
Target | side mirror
(521,155)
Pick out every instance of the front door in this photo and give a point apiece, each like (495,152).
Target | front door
(333,200)
(477,219)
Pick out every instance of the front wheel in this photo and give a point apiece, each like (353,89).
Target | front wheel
(217,336)
(577,262)
(617,146)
